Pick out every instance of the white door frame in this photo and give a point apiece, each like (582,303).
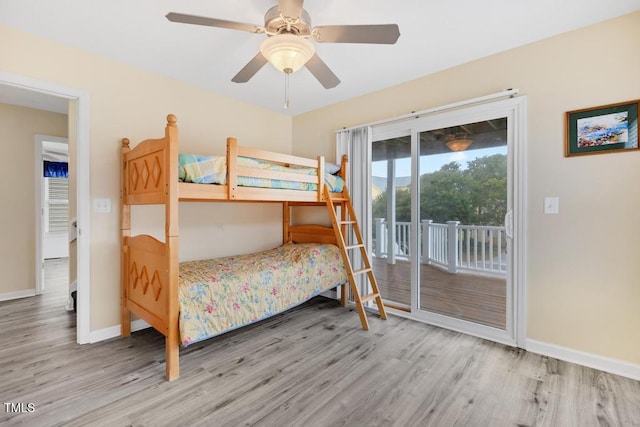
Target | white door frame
(516,110)
(39,223)
(83,325)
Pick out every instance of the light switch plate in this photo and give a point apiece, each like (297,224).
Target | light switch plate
(102,205)
(551,205)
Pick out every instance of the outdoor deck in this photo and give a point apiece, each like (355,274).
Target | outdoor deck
(466,296)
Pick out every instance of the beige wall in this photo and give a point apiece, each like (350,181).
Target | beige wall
(126,102)
(17,189)
(583,271)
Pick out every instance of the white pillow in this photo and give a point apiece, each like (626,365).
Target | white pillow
(331,168)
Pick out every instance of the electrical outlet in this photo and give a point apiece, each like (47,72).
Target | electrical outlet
(551,205)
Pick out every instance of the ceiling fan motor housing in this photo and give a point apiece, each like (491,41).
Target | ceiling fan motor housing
(275,23)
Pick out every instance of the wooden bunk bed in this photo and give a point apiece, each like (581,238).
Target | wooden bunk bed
(150,268)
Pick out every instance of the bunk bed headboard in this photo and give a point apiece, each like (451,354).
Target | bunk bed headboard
(312,234)
(148,175)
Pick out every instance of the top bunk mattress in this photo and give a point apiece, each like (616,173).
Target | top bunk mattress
(213,170)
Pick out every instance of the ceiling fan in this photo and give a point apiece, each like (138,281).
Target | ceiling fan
(288,27)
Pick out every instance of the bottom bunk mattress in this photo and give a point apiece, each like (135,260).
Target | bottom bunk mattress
(219,295)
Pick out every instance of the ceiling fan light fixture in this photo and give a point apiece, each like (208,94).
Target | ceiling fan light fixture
(287,52)
(458,142)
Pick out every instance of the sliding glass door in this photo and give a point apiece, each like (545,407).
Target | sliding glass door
(463,199)
(391,178)
(442,218)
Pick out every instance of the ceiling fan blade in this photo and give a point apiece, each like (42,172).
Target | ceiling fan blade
(250,69)
(319,69)
(213,22)
(378,34)
(290,8)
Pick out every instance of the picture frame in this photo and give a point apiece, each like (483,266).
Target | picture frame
(604,129)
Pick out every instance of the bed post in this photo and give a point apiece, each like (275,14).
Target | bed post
(343,167)
(320,178)
(286,222)
(172,340)
(125,233)
(344,289)
(232,167)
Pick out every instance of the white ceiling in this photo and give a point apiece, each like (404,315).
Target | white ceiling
(435,35)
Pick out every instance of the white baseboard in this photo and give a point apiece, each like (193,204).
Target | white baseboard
(590,360)
(17,294)
(114,331)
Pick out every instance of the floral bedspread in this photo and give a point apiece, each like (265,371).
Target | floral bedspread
(222,294)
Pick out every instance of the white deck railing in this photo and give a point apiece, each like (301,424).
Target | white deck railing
(452,246)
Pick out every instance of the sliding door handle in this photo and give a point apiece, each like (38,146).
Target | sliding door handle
(508,224)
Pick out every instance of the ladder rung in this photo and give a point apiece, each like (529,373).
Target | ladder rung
(364,270)
(346,222)
(369,297)
(355,246)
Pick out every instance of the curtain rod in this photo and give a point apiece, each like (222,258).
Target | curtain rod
(416,114)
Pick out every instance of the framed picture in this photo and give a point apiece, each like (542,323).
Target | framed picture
(605,129)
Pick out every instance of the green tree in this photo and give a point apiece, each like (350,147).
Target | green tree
(444,195)
(403,205)
(488,189)
(476,195)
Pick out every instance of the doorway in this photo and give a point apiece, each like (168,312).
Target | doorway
(52,213)
(16,89)
(447,195)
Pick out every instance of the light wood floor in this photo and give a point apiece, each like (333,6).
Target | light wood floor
(56,276)
(466,296)
(312,366)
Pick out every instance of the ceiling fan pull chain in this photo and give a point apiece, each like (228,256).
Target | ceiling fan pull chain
(287,101)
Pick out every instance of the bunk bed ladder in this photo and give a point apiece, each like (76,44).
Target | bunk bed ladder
(348,221)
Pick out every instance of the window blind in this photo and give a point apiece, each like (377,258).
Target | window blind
(57,204)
